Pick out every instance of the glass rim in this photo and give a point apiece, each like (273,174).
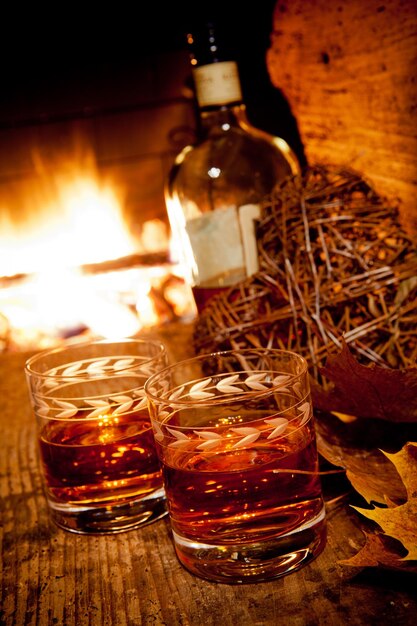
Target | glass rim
(207,401)
(36,358)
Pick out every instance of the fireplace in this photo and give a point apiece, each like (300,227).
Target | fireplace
(85,247)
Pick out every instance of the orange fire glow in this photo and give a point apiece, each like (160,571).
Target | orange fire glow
(50,298)
(84,225)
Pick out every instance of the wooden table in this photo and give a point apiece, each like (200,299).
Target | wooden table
(50,576)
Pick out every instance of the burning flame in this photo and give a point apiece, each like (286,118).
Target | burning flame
(78,221)
(83,224)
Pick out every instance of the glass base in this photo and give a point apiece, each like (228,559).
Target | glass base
(110,519)
(254,562)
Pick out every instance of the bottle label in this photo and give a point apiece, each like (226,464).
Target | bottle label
(248,214)
(224,244)
(217,83)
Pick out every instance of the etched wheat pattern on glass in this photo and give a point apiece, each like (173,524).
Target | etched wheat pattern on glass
(233,388)
(90,370)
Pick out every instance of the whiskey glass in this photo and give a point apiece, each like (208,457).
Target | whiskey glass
(235,434)
(100,469)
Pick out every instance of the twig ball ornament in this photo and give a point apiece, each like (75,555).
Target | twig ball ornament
(334,265)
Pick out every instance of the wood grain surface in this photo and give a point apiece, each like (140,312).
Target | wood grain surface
(49,576)
(348,71)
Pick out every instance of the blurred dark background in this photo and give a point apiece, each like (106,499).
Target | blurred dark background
(78,60)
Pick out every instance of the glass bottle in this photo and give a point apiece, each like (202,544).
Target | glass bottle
(215,186)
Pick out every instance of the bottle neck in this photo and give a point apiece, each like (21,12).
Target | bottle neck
(223,116)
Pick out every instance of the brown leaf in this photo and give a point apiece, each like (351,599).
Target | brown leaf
(367,391)
(354,446)
(380,550)
(399,522)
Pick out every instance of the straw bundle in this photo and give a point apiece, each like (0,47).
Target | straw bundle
(334,263)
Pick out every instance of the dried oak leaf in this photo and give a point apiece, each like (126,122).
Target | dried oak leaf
(398,522)
(367,390)
(355,446)
(380,550)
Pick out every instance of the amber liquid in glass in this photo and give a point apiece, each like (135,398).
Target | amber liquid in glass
(111,459)
(262,491)
(202,295)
